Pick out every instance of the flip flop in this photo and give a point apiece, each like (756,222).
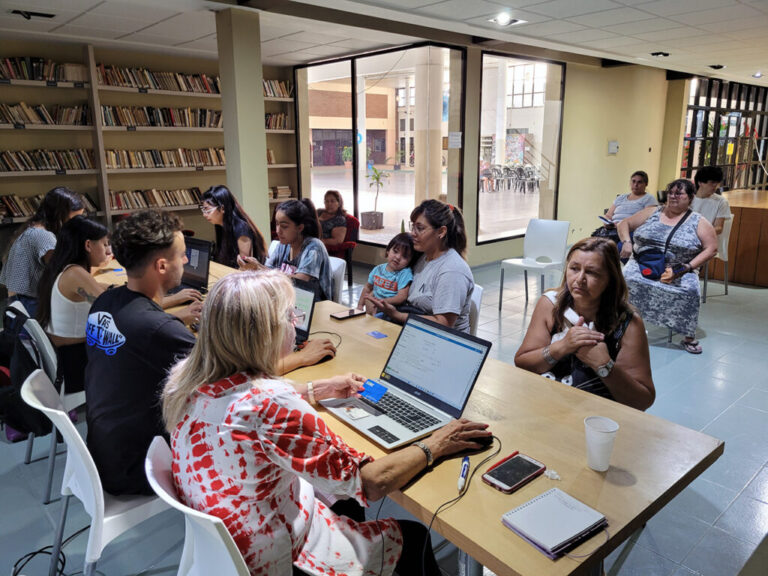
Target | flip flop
(691,346)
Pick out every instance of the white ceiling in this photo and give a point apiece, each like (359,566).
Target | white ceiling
(696,33)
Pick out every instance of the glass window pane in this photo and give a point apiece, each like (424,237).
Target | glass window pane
(518,146)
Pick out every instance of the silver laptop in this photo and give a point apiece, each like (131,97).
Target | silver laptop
(425,383)
(305,301)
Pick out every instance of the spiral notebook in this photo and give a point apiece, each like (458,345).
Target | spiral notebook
(554,522)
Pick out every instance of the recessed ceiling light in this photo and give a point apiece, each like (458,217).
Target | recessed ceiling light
(757,74)
(505,19)
(716,66)
(660,54)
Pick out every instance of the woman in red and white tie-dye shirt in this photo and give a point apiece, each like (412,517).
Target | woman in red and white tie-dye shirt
(248,448)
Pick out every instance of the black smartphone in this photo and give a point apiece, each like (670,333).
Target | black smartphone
(351,313)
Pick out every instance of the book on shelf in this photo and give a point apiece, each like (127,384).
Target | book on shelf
(23,207)
(161,117)
(22,114)
(278,88)
(271,156)
(177,158)
(281,191)
(142,78)
(34,68)
(154,198)
(31,160)
(278,121)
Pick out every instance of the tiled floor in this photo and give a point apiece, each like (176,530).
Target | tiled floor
(710,529)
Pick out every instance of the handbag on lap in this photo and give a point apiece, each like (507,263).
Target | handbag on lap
(653,261)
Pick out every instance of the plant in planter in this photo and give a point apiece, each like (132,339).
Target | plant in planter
(374,220)
(346,156)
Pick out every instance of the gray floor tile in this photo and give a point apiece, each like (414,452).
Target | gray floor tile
(672,534)
(732,470)
(718,554)
(634,559)
(745,519)
(757,399)
(703,500)
(758,488)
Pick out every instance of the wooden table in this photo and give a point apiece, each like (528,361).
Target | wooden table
(748,244)
(652,461)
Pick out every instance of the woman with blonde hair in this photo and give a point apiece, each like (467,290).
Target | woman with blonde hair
(249,448)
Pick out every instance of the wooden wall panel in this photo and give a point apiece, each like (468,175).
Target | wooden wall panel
(761,270)
(745,261)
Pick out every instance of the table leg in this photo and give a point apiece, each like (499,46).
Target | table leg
(468,566)
(597,569)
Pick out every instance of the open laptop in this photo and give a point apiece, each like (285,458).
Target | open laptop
(425,383)
(305,301)
(197,266)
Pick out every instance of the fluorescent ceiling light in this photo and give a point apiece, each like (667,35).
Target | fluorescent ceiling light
(757,74)
(505,19)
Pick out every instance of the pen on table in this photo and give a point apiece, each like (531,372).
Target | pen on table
(463,473)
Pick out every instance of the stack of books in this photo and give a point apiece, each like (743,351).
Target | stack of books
(151,116)
(281,192)
(178,158)
(22,113)
(278,88)
(31,160)
(136,199)
(141,78)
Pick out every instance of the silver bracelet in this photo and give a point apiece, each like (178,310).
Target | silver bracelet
(548,357)
(427,452)
(311,393)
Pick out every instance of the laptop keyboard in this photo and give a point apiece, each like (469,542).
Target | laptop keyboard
(405,413)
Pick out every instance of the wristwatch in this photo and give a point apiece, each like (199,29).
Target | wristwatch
(605,369)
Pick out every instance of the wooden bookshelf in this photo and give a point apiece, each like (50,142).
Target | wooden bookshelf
(39,173)
(59,127)
(161,129)
(281,144)
(155,92)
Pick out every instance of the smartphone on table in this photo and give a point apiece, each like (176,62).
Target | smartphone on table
(344,314)
(513,472)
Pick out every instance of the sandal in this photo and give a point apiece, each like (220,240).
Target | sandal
(691,346)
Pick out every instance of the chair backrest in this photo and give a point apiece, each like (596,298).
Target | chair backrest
(273,246)
(338,267)
(546,239)
(353,229)
(80,475)
(44,346)
(208,546)
(474,308)
(723,239)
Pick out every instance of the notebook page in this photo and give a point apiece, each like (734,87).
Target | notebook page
(551,519)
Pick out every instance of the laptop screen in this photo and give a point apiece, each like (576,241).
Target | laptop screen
(430,359)
(305,301)
(198,261)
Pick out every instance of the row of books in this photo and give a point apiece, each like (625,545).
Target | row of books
(281,191)
(143,78)
(278,88)
(31,160)
(277,121)
(23,113)
(178,158)
(34,68)
(15,207)
(151,198)
(152,116)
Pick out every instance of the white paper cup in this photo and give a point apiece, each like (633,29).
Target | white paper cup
(600,432)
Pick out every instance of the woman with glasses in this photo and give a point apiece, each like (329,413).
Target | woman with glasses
(442,280)
(236,234)
(250,448)
(673,299)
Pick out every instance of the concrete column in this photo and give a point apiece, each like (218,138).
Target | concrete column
(428,137)
(674,131)
(242,102)
(453,165)
(501,112)
(304,133)
(550,139)
(361,141)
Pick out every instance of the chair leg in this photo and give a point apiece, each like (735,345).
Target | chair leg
(90,569)
(30,443)
(51,464)
(349,269)
(725,277)
(57,540)
(669,338)
(525,275)
(501,285)
(542,285)
(706,277)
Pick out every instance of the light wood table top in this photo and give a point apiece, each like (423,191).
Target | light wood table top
(747,198)
(652,461)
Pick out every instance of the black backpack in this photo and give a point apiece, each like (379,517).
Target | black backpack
(25,358)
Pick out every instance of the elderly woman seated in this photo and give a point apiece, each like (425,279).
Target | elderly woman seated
(687,241)
(586,334)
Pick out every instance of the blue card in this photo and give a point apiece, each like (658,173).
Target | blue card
(373,391)
(376,334)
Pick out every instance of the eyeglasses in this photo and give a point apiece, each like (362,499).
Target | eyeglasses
(296,315)
(418,228)
(207,208)
(677,193)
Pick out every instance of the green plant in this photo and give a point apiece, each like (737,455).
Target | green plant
(346,154)
(377,178)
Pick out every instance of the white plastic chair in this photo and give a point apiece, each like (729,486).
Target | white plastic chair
(338,268)
(722,253)
(543,249)
(70,401)
(110,515)
(208,546)
(474,308)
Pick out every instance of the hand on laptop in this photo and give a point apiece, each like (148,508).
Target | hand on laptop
(171,300)
(338,386)
(249,263)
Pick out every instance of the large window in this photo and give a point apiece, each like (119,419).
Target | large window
(397,113)
(519,144)
(727,126)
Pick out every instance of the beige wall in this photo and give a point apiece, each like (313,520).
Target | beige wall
(626,104)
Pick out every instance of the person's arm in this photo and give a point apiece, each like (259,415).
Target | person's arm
(311,353)
(706,233)
(609,214)
(171,300)
(244,246)
(446,319)
(77,284)
(336,387)
(718,225)
(363,302)
(629,225)
(630,380)
(400,297)
(337,237)
(530,355)
(189,314)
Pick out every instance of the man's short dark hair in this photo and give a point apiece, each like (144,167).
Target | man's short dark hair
(141,236)
(708,174)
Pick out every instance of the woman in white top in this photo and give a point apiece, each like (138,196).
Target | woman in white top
(67,289)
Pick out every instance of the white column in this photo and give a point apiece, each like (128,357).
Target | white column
(501,113)
(429,110)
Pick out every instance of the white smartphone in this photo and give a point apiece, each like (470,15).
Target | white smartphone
(515,471)
(351,313)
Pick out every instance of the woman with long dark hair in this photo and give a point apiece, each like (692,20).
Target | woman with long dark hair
(67,289)
(586,334)
(34,247)
(333,221)
(236,234)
